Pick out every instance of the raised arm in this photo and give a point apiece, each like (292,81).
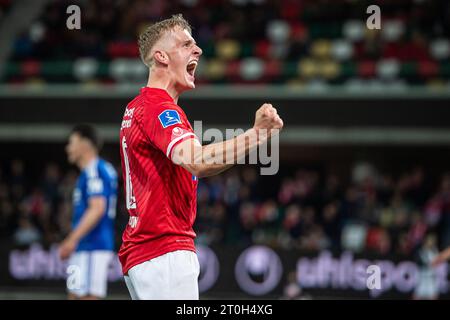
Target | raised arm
(217,157)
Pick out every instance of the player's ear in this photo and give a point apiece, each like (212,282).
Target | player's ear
(161,57)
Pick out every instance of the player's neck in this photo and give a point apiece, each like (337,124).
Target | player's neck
(160,81)
(86,160)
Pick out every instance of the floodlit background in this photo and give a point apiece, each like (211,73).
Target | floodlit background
(364,156)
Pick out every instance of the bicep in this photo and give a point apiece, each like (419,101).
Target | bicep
(97,203)
(187,154)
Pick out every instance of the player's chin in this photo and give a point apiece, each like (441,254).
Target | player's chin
(189,82)
(71,158)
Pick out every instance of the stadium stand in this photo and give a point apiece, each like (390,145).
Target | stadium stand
(288,42)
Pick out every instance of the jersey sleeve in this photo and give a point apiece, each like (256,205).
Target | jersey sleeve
(167,127)
(97,185)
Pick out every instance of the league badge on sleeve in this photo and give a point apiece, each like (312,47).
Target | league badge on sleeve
(169,118)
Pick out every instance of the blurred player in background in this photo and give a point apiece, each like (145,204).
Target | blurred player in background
(428,286)
(158,253)
(90,244)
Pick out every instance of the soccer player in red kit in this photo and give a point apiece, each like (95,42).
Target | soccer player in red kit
(162,160)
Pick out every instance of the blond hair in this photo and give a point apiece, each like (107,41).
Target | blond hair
(153,33)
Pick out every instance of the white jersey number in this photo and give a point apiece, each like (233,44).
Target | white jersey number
(131,200)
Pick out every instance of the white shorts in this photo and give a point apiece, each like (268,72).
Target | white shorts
(171,276)
(87,273)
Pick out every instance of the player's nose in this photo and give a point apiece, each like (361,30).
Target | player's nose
(197,50)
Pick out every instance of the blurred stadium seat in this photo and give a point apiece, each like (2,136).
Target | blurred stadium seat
(413,32)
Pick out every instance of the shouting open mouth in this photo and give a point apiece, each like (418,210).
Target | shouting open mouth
(192,65)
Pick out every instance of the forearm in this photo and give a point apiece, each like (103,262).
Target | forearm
(218,157)
(89,220)
(212,159)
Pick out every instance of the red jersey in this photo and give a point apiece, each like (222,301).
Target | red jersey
(161,197)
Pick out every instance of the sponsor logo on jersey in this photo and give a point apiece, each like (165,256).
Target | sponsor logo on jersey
(126,123)
(95,185)
(176,132)
(132,221)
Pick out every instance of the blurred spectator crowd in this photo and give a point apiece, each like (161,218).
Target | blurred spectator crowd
(36,205)
(4,8)
(369,211)
(309,42)
(303,209)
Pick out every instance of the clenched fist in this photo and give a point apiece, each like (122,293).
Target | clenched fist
(267,118)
